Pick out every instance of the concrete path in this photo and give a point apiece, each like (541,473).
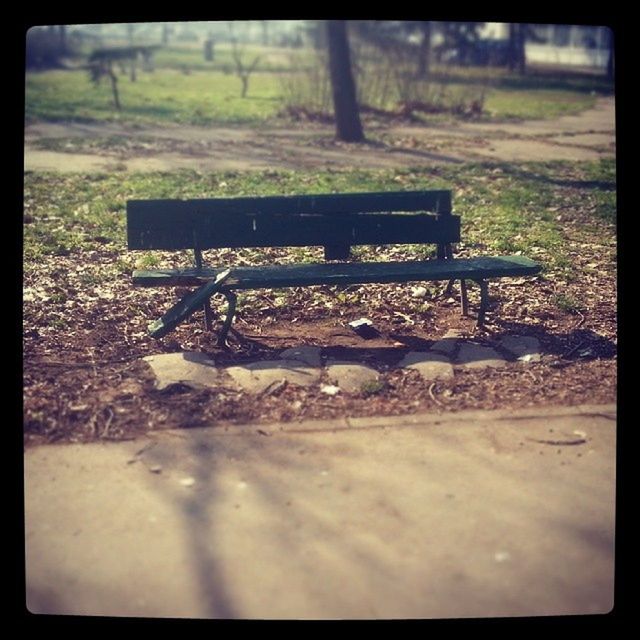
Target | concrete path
(589,135)
(429,516)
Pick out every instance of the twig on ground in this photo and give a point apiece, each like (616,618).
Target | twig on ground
(273,388)
(433,397)
(107,424)
(566,354)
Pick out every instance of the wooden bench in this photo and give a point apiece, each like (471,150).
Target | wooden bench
(335,221)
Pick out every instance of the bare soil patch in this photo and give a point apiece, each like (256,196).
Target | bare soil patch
(89,382)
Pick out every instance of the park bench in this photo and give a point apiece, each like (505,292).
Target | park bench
(333,221)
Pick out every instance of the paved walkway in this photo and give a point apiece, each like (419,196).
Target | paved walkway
(429,516)
(589,135)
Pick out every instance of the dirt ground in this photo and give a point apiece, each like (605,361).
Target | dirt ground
(92,384)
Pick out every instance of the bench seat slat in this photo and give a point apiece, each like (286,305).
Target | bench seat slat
(294,275)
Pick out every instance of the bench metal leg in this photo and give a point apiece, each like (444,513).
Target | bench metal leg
(449,288)
(484,300)
(232,300)
(208,315)
(464,299)
(447,254)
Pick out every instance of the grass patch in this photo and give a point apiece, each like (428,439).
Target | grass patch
(184,88)
(373,388)
(164,95)
(272,59)
(503,103)
(567,303)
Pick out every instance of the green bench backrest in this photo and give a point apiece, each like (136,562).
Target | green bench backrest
(335,221)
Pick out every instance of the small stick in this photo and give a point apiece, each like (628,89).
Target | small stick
(433,397)
(559,442)
(105,430)
(568,353)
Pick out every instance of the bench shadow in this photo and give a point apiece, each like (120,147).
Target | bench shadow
(200,532)
(567,346)
(597,185)
(205,513)
(426,155)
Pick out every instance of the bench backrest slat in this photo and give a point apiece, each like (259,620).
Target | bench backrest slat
(340,219)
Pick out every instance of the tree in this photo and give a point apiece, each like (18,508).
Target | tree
(62,29)
(459,41)
(424,55)
(348,126)
(517,56)
(519,34)
(243,71)
(102,61)
(46,47)
(395,38)
(166,32)
(101,65)
(611,58)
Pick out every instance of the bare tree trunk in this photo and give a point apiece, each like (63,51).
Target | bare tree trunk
(114,87)
(424,54)
(63,39)
(208,49)
(517,39)
(130,30)
(242,71)
(522,56)
(348,126)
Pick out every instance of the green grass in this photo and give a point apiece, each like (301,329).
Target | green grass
(186,89)
(567,303)
(269,58)
(164,95)
(373,387)
(535,103)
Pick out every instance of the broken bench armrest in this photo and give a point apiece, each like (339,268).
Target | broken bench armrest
(187,305)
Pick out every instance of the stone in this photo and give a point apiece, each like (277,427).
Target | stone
(525,348)
(258,376)
(448,343)
(445,346)
(475,356)
(431,366)
(306,354)
(190,368)
(350,376)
